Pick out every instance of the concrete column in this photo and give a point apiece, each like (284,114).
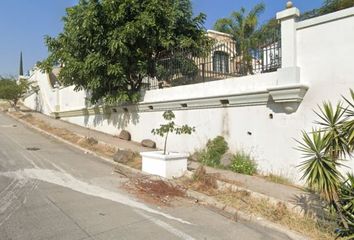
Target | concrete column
(289,73)
(57,102)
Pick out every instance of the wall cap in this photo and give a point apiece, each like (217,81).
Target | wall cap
(335,16)
(288,13)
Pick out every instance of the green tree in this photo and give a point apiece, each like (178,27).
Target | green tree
(243,26)
(324,150)
(12,91)
(328,6)
(335,5)
(171,127)
(108,47)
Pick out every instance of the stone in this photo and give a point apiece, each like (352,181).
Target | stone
(125,135)
(226,159)
(148,143)
(123,156)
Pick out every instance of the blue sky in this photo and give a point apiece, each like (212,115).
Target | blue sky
(24,23)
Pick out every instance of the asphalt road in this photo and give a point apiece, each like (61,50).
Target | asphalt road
(49,190)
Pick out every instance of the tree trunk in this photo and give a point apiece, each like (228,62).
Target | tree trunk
(165,145)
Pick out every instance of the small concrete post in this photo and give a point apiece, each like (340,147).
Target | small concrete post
(289,73)
(57,105)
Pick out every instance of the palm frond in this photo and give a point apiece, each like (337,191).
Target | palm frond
(319,170)
(332,122)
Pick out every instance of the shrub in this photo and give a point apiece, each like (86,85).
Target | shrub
(215,148)
(12,91)
(243,163)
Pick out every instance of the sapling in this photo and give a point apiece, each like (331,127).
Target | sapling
(171,127)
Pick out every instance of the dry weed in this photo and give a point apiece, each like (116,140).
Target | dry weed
(136,162)
(155,191)
(203,181)
(280,214)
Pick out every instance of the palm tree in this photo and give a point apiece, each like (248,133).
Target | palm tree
(242,27)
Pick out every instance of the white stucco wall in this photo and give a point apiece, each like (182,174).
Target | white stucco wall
(69,99)
(47,98)
(324,55)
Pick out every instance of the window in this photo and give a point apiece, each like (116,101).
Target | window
(221,62)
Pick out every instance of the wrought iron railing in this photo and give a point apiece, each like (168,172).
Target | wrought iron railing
(222,60)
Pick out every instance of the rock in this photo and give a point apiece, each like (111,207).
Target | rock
(226,159)
(92,141)
(123,156)
(148,143)
(125,135)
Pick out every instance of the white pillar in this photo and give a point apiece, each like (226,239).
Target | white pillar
(289,72)
(57,105)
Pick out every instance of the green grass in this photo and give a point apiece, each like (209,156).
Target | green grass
(243,163)
(213,152)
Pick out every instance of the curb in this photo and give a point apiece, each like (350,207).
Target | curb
(189,193)
(105,159)
(239,215)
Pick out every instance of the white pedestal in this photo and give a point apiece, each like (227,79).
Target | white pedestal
(171,165)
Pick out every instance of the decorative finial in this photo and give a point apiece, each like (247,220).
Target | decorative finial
(289,4)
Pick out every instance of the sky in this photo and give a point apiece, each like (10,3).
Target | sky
(24,23)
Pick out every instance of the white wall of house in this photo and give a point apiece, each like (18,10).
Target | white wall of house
(266,112)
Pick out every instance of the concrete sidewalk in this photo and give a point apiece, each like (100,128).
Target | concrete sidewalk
(86,132)
(257,184)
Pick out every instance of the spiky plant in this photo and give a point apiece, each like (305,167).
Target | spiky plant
(324,151)
(349,124)
(346,192)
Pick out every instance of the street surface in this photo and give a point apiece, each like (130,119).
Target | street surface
(49,190)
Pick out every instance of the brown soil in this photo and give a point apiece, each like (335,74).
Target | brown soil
(155,191)
(136,162)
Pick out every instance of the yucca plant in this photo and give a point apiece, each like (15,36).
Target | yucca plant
(349,124)
(320,170)
(324,150)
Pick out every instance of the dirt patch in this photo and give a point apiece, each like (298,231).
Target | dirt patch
(93,145)
(202,181)
(155,191)
(88,143)
(136,162)
(279,213)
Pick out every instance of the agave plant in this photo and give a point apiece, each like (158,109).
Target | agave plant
(349,124)
(324,150)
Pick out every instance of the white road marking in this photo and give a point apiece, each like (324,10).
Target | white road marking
(68,181)
(167,227)
(13,197)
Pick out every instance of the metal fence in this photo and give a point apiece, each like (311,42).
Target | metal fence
(223,60)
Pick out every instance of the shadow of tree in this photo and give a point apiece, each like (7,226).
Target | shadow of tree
(38,103)
(312,205)
(119,116)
